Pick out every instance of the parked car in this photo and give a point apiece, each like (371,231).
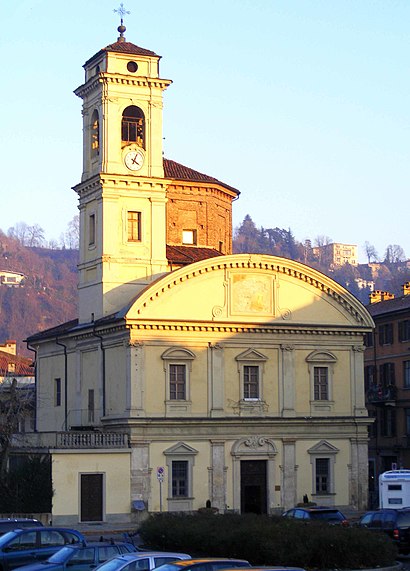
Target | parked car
(10,523)
(317,513)
(394,522)
(81,557)
(270,568)
(23,546)
(141,561)
(206,564)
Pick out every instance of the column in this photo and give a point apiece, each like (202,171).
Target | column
(289,473)
(218,475)
(288,380)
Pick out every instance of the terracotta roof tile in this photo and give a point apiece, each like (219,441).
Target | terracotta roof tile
(128,48)
(123,48)
(174,170)
(14,364)
(189,254)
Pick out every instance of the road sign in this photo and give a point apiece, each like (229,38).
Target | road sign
(160,473)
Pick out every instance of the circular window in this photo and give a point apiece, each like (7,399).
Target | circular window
(132,66)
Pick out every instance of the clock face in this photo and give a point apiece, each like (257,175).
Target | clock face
(134,160)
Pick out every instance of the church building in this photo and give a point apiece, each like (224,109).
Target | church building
(192,375)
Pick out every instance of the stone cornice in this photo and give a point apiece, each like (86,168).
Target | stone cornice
(102,180)
(236,328)
(107,78)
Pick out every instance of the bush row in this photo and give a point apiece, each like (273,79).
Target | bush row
(264,540)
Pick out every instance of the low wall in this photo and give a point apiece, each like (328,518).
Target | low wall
(45,518)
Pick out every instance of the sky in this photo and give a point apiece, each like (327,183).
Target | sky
(302,105)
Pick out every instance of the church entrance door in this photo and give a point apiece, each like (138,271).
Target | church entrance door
(91,497)
(253,486)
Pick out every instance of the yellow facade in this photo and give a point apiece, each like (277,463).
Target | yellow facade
(236,379)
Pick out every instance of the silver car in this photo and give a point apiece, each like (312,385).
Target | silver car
(141,561)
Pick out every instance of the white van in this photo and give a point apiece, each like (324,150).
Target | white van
(394,489)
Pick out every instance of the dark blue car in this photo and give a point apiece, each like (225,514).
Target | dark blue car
(82,557)
(23,546)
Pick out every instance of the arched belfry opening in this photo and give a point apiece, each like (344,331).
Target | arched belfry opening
(95,134)
(133,126)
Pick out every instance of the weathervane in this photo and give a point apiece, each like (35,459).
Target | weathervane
(121,28)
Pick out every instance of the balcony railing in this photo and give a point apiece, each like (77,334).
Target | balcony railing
(380,394)
(71,440)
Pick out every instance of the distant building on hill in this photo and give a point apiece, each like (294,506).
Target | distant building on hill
(335,254)
(11,279)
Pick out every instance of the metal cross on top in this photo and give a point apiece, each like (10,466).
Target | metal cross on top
(121,11)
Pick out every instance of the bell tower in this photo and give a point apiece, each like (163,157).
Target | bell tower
(122,193)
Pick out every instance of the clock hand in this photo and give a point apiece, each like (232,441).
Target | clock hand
(134,160)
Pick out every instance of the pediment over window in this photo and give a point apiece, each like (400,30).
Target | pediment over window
(323,447)
(180,449)
(178,354)
(251,355)
(321,357)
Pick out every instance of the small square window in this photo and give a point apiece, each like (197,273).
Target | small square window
(189,237)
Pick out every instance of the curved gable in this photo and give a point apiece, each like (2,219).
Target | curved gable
(249,288)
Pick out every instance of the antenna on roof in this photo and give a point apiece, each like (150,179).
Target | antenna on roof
(121,28)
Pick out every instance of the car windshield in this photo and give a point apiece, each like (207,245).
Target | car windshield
(7,537)
(61,555)
(168,567)
(327,516)
(112,564)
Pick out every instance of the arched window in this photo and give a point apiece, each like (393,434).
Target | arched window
(133,126)
(95,134)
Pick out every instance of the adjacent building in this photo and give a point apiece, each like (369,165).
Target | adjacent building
(191,374)
(387,381)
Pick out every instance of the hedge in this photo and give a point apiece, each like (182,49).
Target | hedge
(265,540)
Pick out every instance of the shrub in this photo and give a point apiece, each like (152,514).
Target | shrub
(265,540)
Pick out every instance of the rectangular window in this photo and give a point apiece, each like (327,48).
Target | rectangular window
(369,377)
(368,339)
(388,427)
(322,475)
(387,376)
(250,382)
(407,413)
(189,236)
(404,330)
(321,383)
(386,334)
(134,226)
(180,479)
(57,392)
(91,405)
(177,382)
(91,230)
(406,374)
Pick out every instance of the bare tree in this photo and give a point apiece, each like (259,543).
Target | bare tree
(72,235)
(371,252)
(35,235)
(16,404)
(394,254)
(19,232)
(322,252)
